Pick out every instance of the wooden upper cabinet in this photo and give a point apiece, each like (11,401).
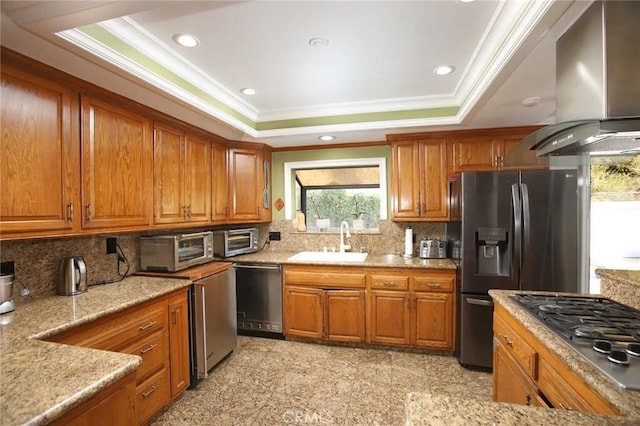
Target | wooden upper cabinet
(419,184)
(245,178)
(39,164)
(474,154)
(182,169)
(219,183)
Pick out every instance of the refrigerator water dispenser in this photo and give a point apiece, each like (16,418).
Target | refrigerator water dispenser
(490,245)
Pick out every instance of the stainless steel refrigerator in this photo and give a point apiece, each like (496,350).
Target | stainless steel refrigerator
(520,230)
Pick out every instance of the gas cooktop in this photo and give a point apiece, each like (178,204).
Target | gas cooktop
(605,332)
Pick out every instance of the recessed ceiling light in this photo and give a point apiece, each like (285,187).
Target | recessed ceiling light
(532,101)
(326,138)
(318,42)
(466,1)
(248,91)
(444,70)
(186,40)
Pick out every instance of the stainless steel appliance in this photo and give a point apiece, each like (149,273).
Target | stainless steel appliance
(601,330)
(519,231)
(259,304)
(213,322)
(433,249)
(73,276)
(234,242)
(170,253)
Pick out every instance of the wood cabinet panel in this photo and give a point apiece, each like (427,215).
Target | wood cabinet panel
(197,179)
(389,317)
(168,174)
(219,183)
(345,315)
(389,282)
(152,350)
(152,395)
(244,183)
(179,343)
(39,165)
(115,405)
(303,312)
(405,182)
(323,277)
(475,154)
(521,351)
(435,185)
(433,320)
(433,282)
(511,384)
(117,164)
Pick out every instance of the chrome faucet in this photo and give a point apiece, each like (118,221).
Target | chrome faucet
(344,229)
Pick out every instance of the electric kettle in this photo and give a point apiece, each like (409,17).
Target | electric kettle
(73,276)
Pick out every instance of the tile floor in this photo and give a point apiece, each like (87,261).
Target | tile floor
(273,382)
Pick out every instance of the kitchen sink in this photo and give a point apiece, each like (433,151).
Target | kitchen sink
(321,256)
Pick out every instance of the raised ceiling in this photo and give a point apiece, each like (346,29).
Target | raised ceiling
(374,77)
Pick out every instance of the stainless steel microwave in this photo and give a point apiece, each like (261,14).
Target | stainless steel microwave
(170,253)
(234,242)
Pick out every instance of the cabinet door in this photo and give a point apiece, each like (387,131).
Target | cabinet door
(244,184)
(117,164)
(510,383)
(39,164)
(303,312)
(433,320)
(197,179)
(344,316)
(219,183)
(179,343)
(168,170)
(389,317)
(405,180)
(435,184)
(475,154)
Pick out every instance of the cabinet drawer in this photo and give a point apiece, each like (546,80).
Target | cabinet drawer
(324,279)
(521,351)
(152,395)
(433,283)
(153,353)
(557,388)
(116,330)
(390,282)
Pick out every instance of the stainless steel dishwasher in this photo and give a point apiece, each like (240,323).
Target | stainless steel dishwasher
(259,299)
(213,321)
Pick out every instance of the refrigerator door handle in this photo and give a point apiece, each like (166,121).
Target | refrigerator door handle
(526,230)
(517,232)
(479,302)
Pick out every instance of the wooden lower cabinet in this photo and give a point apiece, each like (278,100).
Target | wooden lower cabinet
(511,384)
(114,405)
(526,372)
(157,331)
(382,306)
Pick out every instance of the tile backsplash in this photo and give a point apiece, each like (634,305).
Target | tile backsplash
(37,262)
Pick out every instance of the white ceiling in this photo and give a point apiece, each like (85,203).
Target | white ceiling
(375,77)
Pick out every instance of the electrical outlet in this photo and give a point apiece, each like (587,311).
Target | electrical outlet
(274,236)
(111,245)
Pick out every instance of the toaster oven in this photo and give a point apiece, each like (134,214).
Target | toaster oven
(170,253)
(234,242)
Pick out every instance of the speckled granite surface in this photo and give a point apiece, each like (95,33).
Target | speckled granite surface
(620,285)
(438,409)
(384,261)
(628,402)
(39,381)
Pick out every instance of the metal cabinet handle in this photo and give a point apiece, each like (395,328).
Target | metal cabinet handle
(150,348)
(433,285)
(189,211)
(88,212)
(150,391)
(147,325)
(70,212)
(174,317)
(389,284)
(506,340)
(563,407)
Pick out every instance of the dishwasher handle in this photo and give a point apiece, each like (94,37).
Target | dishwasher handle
(268,267)
(478,302)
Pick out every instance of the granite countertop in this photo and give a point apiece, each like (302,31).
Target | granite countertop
(626,401)
(372,260)
(40,380)
(436,410)
(620,285)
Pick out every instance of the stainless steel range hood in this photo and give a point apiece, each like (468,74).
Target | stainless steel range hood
(597,88)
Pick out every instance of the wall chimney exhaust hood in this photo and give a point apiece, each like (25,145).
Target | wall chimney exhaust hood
(597,88)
